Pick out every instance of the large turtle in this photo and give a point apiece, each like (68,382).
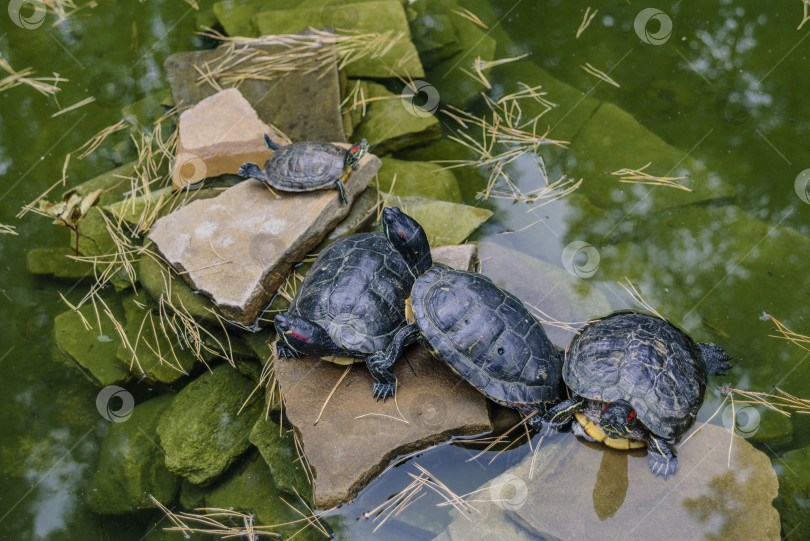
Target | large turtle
(483,333)
(303,167)
(350,305)
(636,380)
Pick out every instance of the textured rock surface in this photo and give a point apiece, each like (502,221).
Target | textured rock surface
(444,222)
(304,105)
(277,446)
(238,247)
(201,432)
(706,499)
(356,437)
(424,179)
(55,261)
(794,486)
(224,132)
(131,466)
(459,256)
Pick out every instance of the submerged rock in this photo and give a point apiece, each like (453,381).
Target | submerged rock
(56,262)
(401,59)
(224,132)
(582,491)
(794,486)
(302,104)
(444,222)
(434,34)
(203,431)
(392,123)
(131,466)
(424,179)
(238,247)
(277,446)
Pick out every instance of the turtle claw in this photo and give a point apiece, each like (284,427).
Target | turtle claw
(283,350)
(662,466)
(383,390)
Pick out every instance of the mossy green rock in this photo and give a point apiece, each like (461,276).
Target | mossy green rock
(147,110)
(444,222)
(156,280)
(113,183)
(391,124)
(401,59)
(56,262)
(237,17)
(362,215)
(422,179)
(773,429)
(131,466)
(92,350)
(277,446)
(158,357)
(433,32)
(613,140)
(202,431)
(794,486)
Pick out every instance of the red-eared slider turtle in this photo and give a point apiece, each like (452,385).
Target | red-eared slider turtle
(350,305)
(303,167)
(636,378)
(483,333)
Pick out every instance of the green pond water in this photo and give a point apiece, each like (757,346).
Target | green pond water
(723,97)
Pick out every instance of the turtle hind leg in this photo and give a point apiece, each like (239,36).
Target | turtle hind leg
(716,359)
(270,144)
(342,190)
(558,417)
(251,170)
(663,461)
(385,383)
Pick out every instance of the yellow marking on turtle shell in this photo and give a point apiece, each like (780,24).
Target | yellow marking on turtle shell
(409,317)
(596,432)
(343,361)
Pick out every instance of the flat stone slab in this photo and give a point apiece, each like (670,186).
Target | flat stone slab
(224,132)
(238,247)
(304,105)
(357,436)
(584,491)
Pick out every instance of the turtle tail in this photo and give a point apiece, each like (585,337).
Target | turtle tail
(270,144)
(716,359)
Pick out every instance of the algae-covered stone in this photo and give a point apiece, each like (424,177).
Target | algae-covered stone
(202,431)
(613,140)
(131,467)
(794,486)
(114,184)
(423,179)
(56,261)
(401,59)
(444,222)
(361,216)
(147,110)
(92,349)
(434,34)
(277,446)
(772,428)
(158,355)
(237,17)
(391,123)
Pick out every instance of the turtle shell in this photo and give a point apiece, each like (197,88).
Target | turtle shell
(644,360)
(356,290)
(486,336)
(301,167)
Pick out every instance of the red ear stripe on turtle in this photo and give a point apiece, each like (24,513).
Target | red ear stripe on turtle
(300,337)
(604,409)
(402,234)
(631,416)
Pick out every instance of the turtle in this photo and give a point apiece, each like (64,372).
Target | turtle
(636,380)
(480,331)
(349,306)
(303,167)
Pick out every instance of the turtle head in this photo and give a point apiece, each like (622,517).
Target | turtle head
(355,152)
(618,418)
(302,335)
(408,238)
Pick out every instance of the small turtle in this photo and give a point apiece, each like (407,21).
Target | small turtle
(636,380)
(303,167)
(350,305)
(483,333)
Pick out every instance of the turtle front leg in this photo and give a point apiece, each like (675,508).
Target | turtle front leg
(251,170)
(342,190)
(537,412)
(284,350)
(560,415)
(385,383)
(663,461)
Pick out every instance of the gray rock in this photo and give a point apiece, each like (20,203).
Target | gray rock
(460,256)
(584,492)
(304,105)
(238,247)
(132,466)
(203,432)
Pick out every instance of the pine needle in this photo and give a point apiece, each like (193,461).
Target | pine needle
(8,230)
(94,142)
(638,176)
(631,289)
(332,392)
(470,16)
(47,86)
(600,74)
(586,20)
(794,338)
